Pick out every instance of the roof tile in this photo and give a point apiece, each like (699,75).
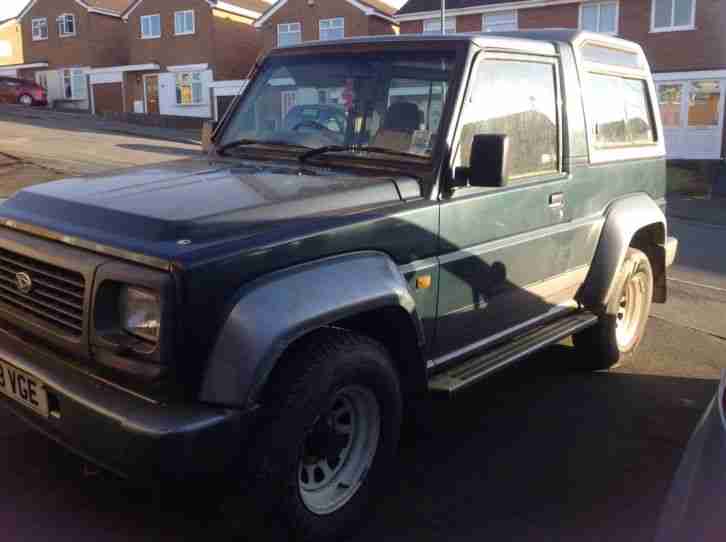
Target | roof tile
(415,6)
(380,5)
(259,6)
(114,5)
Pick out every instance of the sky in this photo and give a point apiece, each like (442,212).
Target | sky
(10,8)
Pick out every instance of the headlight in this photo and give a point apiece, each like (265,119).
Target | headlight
(140,312)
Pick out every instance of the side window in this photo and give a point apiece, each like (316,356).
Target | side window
(620,111)
(517,98)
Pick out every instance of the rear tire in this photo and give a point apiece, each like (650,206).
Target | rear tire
(327,449)
(619,331)
(26,100)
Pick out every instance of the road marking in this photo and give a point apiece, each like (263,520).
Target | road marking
(690,283)
(686,326)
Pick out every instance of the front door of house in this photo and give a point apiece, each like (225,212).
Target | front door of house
(151,93)
(692,113)
(7,90)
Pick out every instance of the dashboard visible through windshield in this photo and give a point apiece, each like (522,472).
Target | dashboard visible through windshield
(391,101)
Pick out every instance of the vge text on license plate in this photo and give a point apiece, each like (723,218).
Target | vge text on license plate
(23,388)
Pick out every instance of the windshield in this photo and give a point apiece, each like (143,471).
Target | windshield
(388,100)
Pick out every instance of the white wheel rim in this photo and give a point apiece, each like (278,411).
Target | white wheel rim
(348,434)
(631,309)
(26,100)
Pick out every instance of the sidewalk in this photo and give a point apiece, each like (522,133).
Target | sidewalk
(86,121)
(702,209)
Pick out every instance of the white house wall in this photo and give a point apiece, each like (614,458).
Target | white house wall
(55,90)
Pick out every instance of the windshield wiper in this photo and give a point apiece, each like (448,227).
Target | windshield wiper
(248,142)
(354,148)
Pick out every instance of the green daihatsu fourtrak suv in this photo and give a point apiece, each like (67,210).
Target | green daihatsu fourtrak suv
(270,313)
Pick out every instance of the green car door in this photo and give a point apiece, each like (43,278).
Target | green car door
(502,261)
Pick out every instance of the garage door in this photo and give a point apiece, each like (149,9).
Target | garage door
(223,103)
(108,98)
(693,114)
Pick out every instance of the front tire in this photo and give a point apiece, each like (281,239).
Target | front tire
(327,448)
(26,100)
(620,330)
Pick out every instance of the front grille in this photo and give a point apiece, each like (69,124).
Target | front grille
(56,295)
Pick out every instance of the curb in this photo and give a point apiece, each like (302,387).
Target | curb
(117,127)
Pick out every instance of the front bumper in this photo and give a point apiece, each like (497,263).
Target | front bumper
(671,248)
(123,432)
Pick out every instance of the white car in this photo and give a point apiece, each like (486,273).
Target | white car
(695,508)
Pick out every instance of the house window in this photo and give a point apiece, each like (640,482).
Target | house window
(40,29)
(704,103)
(289,34)
(502,21)
(670,99)
(74,84)
(184,22)
(42,79)
(433,26)
(599,17)
(332,29)
(289,98)
(150,26)
(66,25)
(668,15)
(189,88)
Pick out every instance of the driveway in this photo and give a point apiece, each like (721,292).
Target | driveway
(539,452)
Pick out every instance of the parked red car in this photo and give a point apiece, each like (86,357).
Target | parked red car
(20,91)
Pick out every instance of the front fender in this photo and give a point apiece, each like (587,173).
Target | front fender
(623,220)
(275,310)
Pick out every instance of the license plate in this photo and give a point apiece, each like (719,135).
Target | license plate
(23,388)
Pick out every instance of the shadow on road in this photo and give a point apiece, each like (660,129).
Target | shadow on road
(537,452)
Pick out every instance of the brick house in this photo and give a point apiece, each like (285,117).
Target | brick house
(64,39)
(683,39)
(177,51)
(288,22)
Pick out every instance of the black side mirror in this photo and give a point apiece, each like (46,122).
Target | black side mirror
(207,131)
(489,161)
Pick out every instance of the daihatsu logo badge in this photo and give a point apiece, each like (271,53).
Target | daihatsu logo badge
(23,282)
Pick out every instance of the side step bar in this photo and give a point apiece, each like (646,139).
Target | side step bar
(471,371)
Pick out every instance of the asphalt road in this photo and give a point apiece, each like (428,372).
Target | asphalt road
(540,451)
(35,148)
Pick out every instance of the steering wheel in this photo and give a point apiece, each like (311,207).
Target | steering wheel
(311,124)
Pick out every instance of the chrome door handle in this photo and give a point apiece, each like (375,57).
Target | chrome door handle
(557,200)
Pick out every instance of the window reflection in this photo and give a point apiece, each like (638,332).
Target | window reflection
(703,103)
(516,98)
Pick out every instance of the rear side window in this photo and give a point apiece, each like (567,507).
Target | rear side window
(517,98)
(620,111)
